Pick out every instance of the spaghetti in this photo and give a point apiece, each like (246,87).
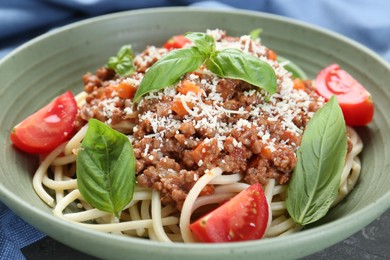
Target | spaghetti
(223,142)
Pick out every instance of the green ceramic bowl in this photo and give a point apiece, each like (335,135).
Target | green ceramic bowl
(45,67)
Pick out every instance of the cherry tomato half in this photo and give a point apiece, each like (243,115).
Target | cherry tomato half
(355,101)
(176,42)
(47,128)
(244,217)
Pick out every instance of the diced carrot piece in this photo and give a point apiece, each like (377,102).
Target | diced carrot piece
(299,85)
(178,107)
(187,86)
(207,190)
(126,90)
(199,152)
(266,153)
(272,55)
(205,149)
(107,92)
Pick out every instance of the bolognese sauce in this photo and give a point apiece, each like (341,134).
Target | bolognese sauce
(205,121)
(191,140)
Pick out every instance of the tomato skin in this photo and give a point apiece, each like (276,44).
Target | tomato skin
(355,101)
(176,42)
(244,217)
(47,128)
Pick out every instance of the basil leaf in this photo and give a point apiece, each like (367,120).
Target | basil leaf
(255,33)
(214,67)
(321,158)
(168,70)
(106,168)
(202,41)
(295,70)
(235,64)
(125,51)
(123,62)
(229,63)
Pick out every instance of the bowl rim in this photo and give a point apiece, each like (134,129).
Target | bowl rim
(338,226)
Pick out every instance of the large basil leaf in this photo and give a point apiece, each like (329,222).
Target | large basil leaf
(321,158)
(106,168)
(168,70)
(295,70)
(235,64)
(229,63)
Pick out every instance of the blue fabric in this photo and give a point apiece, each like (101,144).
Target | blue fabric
(366,21)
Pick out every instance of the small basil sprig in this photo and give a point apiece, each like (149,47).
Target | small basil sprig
(122,63)
(294,69)
(321,157)
(227,63)
(255,33)
(106,168)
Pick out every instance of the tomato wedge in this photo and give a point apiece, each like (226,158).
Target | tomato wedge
(244,217)
(176,42)
(47,128)
(355,101)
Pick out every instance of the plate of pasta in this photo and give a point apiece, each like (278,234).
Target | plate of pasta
(176,132)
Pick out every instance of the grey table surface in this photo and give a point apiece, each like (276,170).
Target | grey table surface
(372,242)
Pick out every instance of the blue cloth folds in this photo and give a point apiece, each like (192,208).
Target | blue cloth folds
(365,21)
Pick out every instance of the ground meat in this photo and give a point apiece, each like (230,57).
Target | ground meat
(258,171)
(187,129)
(102,102)
(93,81)
(104,73)
(148,57)
(231,125)
(227,88)
(168,177)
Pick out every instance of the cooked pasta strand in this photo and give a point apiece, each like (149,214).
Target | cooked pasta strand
(41,172)
(212,199)
(131,225)
(190,201)
(226,179)
(58,177)
(67,159)
(135,215)
(75,142)
(147,214)
(156,217)
(59,184)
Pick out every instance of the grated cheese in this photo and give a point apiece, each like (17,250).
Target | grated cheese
(207,111)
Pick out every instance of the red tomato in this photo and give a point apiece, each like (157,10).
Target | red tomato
(354,99)
(47,128)
(244,217)
(176,42)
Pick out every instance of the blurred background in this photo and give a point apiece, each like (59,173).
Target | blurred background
(365,21)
